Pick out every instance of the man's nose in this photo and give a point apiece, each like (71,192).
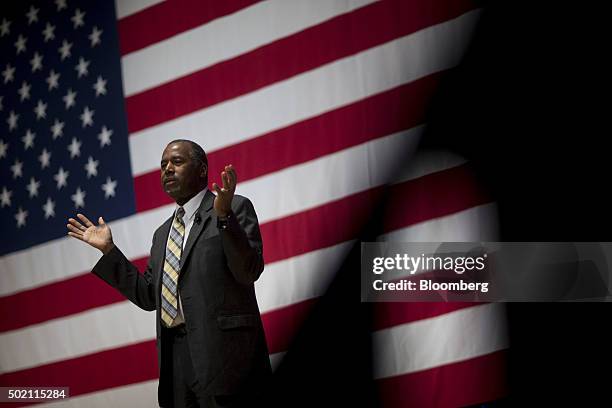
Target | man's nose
(169,168)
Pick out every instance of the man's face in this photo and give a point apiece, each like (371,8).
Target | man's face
(181,176)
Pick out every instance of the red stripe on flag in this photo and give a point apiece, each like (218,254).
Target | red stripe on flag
(337,38)
(93,372)
(449,191)
(315,230)
(77,294)
(380,115)
(469,382)
(41,304)
(169,18)
(280,241)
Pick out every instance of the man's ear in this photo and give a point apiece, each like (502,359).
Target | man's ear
(204,171)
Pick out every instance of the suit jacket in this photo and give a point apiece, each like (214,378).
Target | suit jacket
(217,272)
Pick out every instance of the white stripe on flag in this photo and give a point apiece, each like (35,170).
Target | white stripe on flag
(125,8)
(46,263)
(72,336)
(425,163)
(276,359)
(243,31)
(300,277)
(449,338)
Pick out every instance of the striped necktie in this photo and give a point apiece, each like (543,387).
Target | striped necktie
(174,248)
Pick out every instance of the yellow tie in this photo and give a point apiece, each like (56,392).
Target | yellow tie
(174,248)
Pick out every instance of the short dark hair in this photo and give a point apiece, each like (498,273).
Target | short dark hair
(196,153)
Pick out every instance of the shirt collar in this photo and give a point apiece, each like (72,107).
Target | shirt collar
(192,205)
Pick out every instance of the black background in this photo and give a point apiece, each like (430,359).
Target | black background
(527,108)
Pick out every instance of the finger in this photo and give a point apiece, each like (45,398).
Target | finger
(232,175)
(74,230)
(225,180)
(101,221)
(85,220)
(79,237)
(76,224)
(229,180)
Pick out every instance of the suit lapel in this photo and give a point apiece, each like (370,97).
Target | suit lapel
(165,230)
(202,216)
(159,252)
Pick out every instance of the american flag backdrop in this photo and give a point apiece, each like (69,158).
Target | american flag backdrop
(315,103)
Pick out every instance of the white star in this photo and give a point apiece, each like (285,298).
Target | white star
(77,19)
(91,167)
(5,27)
(21,217)
(81,67)
(57,129)
(69,98)
(94,37)
(74,148)
(61,177)
(3,148)
(61,4)
(33,187)
(49,32)
(5,197)
(87,117)
(64,50)
(53,79)
(8,73)
(109,188)
(24,91)
(44,158)
(49,208)
(32,15)
(17,169)
(28,139)
(12,120)
(40,110)
(105,136)
(79,198)
(100,86)
(20,44)
(36,62)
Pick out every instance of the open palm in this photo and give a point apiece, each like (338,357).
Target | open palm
(223,200)
(98,236)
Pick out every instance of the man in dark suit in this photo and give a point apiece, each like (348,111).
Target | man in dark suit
(204,260)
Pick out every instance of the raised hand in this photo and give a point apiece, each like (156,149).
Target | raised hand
(223,201)
(99,237)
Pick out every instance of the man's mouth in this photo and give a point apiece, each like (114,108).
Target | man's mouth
(169,181)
